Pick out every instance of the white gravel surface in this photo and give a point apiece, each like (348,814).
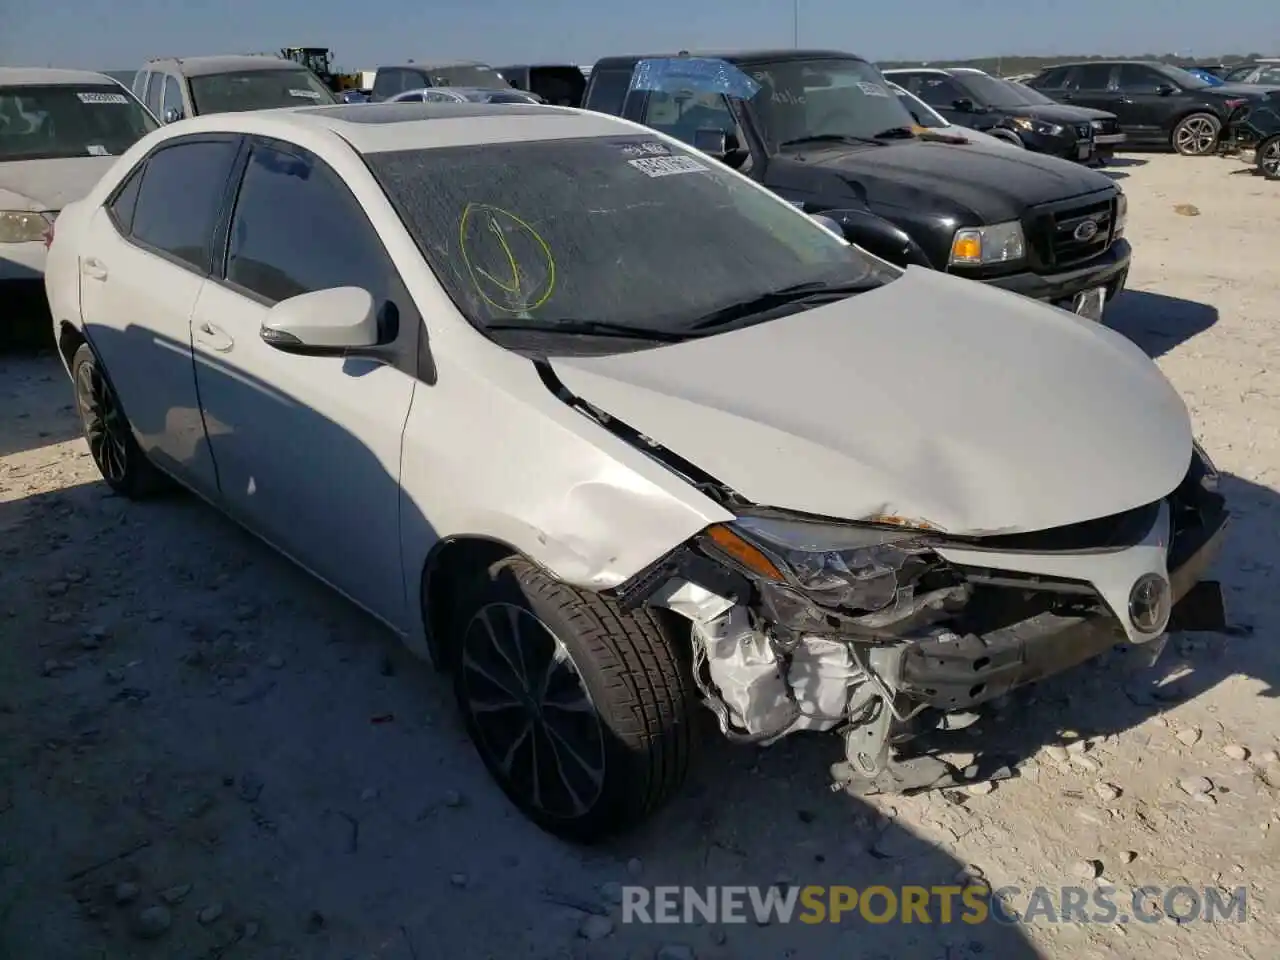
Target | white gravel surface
(205,754)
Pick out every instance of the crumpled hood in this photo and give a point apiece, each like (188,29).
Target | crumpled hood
(995,185)
(44,185)
(932,398)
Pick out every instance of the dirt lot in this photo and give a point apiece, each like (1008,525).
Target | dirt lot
(189,723)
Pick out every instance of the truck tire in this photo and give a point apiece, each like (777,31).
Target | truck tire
(580,711)
(1268,154)
(1196,135)
(115,452)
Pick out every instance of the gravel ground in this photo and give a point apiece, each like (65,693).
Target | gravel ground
(203,753)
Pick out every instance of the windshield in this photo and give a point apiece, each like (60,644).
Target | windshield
(924,114)
(990,92)
(805,99)
(468,75)
(257,90)
(624,231)
(1029,95)
(1187,81)
(85,120)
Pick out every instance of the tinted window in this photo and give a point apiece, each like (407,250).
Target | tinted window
(623,229)
(387,82)
(126,200)
(297,229)
(66,120)
(172,97)
(939,91)
(1050,78)
(561,86)
(182,190)
(608,90)
(1090,76)
(257,90)
(465,75)
(155,85)
(1135,78)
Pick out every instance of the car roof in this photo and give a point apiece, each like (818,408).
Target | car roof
(733,56)
(1104,63)
(382,127)
(229,63)
(432,64)
(48,76)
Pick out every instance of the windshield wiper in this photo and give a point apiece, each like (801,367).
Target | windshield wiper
(597,328)
(896,133)
(785,296)
(829,138)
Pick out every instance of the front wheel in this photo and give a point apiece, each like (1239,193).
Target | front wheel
(115,452)
(580,711)
(1269,157)
(1196,135)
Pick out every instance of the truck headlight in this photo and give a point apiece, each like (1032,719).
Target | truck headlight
(23,226)
(1041,127)
(1122,215)
(997,243)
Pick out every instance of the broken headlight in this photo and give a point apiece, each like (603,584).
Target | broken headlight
(806,566)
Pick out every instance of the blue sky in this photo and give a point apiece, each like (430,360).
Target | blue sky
(123,33)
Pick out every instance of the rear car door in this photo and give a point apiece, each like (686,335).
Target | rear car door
(1143,112)
(308,447)
(144,260)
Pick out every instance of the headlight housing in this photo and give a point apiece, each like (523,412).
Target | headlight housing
(1041,127)
(1122,215)
(996,243)
(23,226)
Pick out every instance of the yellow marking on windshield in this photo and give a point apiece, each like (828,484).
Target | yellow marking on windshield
(525,291)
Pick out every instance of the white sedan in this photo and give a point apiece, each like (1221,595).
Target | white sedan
(621,432)
(60,131)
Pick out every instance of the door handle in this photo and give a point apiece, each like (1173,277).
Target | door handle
(215,338)
(93,269)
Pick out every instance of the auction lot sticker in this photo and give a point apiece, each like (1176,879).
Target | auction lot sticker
(102,98)
(666,166)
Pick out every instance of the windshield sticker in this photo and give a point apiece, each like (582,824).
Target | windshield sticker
(648,149)
(667,166)
(305,94)
(872,89)
(98,150)
(103,98)
(510,265)
(694,75)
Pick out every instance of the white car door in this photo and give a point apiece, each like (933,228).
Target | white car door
(308,447)
(144,259)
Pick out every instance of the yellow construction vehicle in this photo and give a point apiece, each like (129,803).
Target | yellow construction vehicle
(319,60)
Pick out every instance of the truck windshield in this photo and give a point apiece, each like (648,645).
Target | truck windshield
(802,100)
(626,233)
(467,75)
(64,120)
(257,90)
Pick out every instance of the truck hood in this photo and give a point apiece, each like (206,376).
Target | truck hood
(931,398)
(995,185)
(49,185)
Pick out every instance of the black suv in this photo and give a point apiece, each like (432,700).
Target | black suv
(1157,104)
(971,98)
(823,131)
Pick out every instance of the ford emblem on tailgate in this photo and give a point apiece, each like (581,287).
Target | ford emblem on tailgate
(1086,231)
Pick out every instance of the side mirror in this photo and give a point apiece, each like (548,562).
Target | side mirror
(172,115)
(324,321)
(964,105)
(713,142)
(828,223)
(1166,90)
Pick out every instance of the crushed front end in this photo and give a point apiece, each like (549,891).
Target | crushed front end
(866,628)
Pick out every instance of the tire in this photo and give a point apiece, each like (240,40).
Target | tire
(115,452)
(1008,136)
(618,695)
(1196,135)
(1268,154)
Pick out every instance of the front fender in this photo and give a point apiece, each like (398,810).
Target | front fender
(877,235)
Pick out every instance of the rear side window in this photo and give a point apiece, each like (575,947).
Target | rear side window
(181,193)
(123,206)
(172,98)
(387,82)
(608,91)
(154,86)
(1050,79)
(1090,76)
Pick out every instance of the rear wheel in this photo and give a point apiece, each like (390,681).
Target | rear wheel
(115,452)
(580,711)
(1269,157)
(1196,135)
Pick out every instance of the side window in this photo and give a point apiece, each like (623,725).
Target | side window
(140,84)
(122,207)
(1090,76)
(154,86)
(680,116)
(1136,78)
(435,96)
(412,79)
(180,198)
(608,91)
(940,91)
(386,83)
(172,96)
(1050,79)
(297,229)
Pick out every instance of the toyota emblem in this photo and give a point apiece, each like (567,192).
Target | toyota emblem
(1086,231)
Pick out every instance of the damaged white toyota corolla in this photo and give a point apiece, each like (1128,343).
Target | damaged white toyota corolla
(605,428)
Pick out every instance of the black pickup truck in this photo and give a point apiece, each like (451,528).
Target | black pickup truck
(822,130)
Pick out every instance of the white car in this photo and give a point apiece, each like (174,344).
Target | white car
(621,432)
(60,131)
(935,123)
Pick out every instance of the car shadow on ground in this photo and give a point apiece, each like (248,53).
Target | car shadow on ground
(1115,174)
(36,399)
(1126,162)
(1158,323)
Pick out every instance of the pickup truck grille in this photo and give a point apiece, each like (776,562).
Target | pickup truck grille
(1055,234)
